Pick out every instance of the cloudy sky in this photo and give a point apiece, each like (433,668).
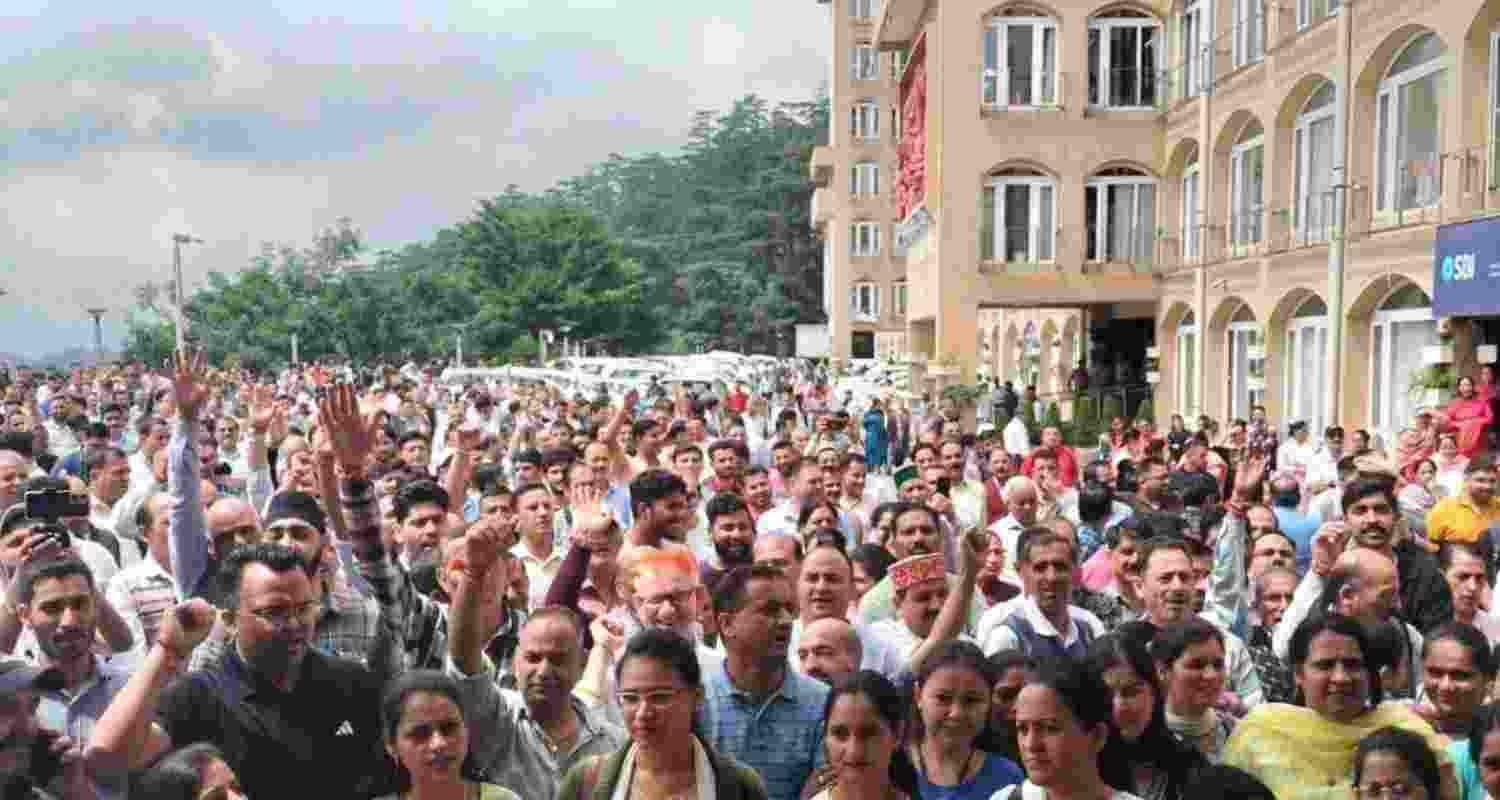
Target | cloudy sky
(241,123)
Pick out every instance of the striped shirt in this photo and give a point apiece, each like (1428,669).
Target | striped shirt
(781,738)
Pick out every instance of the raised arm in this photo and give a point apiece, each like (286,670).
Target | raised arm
(955,610)
(187,539)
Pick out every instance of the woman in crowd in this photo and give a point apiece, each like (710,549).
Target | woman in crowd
(1458,667)
(1308,750)
(1469,416)
(877,442)
(1226,783)
(1419,495)
(1450,464)
(1067,742)
(1480,745)
(1156,764)
(427,735)
(864,722)
(195,772)
(1396,763)
(1190,658)
(660,688)
(882,523)
(1011,667)
(870,564)
(954,690)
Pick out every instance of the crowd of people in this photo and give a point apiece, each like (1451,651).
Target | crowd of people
(316,583)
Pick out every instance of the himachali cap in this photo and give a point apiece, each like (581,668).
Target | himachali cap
(912,570)
(905,475)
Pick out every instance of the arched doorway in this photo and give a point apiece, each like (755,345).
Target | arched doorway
(1247,386)
(1187,367)
(1400,328)
(1305,375)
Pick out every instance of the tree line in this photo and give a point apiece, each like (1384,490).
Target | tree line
(709,248)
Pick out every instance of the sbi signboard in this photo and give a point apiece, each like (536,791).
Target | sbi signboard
(1466,269)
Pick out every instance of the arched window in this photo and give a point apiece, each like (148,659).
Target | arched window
(1016,212)
(1246,359)
(1402,326)
(1122,59)
(1187,366)
(1120,210)
(1020,59)
(1196,27)
(1305,376)
(1246,183)
(1409,164)
(1249,32)
(1316,156)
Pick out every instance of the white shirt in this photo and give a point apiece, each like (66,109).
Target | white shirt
(875,651)
(1017,440)
(1008,528)
(995,636)
(900,641)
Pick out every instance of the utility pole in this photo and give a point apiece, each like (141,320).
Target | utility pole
(98,314)
(179,293)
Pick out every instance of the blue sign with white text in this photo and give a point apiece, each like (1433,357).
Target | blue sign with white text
(1466,269)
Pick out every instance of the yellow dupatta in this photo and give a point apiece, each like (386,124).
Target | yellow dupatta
(1301,755)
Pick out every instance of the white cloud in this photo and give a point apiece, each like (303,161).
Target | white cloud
(722,43)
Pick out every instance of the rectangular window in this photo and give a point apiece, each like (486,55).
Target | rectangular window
(864,178)
(1121,214)
(1122,62)
(1197,49)
(1409,147)
(1191,214)
(1020,226)
(1020,62)
(866,298)
(864,121)
(864,239)
(864,63)
(898,291)
(1249,32)
(862,9)
(1315,156)
(1247,174)
(1310,11)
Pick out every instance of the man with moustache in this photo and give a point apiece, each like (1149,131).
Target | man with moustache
(757,491)
(1044,623)
(1271,594)
(733,533)
(828,650)
(928,611)
(825,587)
(1464,567)
(532,735)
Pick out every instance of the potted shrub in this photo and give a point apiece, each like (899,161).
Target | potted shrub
(1434,384)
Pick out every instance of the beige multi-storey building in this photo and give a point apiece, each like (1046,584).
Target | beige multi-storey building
(1236,200)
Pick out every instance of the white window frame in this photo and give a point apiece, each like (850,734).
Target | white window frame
(1103,25)
(1302,145)
(1249,32)
(1383,369)
(864,179)
(1192,211)
(1310,11)
(898,298)
(1196,30)
(1041,196)
(1239,154)
(864,62)
(864,239)
(994,87)
(1494,120)
(864,120)
(1239,381)
(1144,223)
(864,296)
(1187,371)
(1388,96)
(863,9)
(1296,330)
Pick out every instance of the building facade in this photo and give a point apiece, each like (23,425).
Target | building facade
(1237,201)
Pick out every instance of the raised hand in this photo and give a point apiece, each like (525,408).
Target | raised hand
(262,399)
(1251,473)
(186,627)
(189,383)
(351,434)
(480,548)
(608,634)
(591,518)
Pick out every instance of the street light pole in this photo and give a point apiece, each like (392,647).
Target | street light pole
(178,292)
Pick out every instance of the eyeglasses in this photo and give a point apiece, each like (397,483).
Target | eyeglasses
(656,699)
(679,599)
(282,616)
(1395,791)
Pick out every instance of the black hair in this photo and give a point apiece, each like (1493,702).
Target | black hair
(654,485)
(740,449)
(1360,488)
(732,589)
(1129,646)
(1339,625)
(419,493)
(278,558)
(1172,641)
(1477,549)
(723,504)
(883,509)
(1223,782)
(558,457)
(874,559)
(1038,535)
(667,647)
(412,436)
(529,455)
(903,508)
(34,572)
(1158,544)
(1094,501)
(1486,720)
(1411,748)
(393,705)
(811,508)
(1468,637)
(92,458)
(1087,698)
(527,488)
(643,426)
(148,423)
(178,775)
(892,707)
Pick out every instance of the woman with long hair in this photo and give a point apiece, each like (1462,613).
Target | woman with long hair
(954,689)
(1155,763)
(426,731)
(189,773)
(1308,749)
(864,723)
(1190,659)
(1067,741)
(1469,416)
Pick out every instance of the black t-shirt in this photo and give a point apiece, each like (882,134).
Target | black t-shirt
(322,740)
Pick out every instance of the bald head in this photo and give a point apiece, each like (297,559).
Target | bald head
(1367,584)
(829,649)
(232,521)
